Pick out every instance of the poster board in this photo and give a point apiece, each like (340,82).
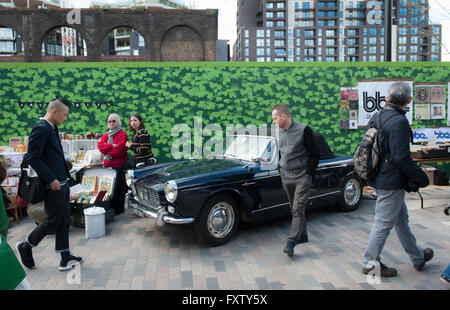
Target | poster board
(372,98)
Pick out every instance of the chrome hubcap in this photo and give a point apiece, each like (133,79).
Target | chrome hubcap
(352,191)
(220,220)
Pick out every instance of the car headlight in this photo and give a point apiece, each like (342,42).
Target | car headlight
(171,191)
(129,176)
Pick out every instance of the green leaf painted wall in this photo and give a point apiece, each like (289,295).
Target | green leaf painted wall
(171,93)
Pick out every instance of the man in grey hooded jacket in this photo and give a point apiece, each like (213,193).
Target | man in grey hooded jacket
(298,160)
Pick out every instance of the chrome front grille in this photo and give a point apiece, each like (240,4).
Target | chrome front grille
(147,196)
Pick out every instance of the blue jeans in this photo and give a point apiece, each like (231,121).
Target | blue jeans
(446,272)
(391,212)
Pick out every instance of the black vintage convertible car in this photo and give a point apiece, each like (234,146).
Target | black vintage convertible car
(214,195)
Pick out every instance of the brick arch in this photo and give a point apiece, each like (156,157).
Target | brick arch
(182,43)
(80,30)
(136,28)
(14,27)
(156,25)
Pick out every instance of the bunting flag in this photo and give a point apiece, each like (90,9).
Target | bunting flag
(76,104)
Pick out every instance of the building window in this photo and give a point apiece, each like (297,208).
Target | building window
(280,5)
(305,5)
(309,51)
(331,51)
(279,43)
(330,42)
(260,51)
(280,14)
(246,33)
(259,42)
(330,33)
(260,33)
(309,42)
(351,51)
(269,5)
(309,33)
(260,59)
(279,33)
(373,31)
(269,14)
(331,23)
(372,40)
(280,23)
(269,24)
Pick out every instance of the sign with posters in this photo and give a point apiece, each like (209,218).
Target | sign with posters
(349,108)
(448,107)
(372,98)
(441,134)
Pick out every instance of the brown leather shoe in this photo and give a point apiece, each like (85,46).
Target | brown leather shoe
(427,255)
(384,272)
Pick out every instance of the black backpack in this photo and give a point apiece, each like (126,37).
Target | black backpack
(367,155)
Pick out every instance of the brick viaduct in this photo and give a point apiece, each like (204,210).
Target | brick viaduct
(170,35)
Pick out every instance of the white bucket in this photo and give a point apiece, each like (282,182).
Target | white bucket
(94,219)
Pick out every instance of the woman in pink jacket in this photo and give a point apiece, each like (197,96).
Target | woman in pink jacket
(113,146)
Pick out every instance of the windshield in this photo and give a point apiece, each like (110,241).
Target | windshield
(250,148)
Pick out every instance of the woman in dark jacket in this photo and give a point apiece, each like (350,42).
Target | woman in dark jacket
(140,144)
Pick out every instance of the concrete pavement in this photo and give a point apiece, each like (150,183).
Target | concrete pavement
(136,254)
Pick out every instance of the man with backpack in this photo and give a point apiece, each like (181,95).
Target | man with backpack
(396,172)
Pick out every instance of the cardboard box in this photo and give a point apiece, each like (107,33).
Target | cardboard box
(430,171)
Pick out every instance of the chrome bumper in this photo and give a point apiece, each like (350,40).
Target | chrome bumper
(161,215)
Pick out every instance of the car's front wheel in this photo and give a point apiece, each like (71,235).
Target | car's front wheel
(351,194)
(219,220)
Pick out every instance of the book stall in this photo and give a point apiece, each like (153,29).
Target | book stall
(83,154)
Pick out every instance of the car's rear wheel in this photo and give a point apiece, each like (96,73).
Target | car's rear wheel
(351,194)
(219,220)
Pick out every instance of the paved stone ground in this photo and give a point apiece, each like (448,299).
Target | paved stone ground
(136,254)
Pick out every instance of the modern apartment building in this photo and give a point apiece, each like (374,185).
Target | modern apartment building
(335,30)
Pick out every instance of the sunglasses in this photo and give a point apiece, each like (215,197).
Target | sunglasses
(112,121)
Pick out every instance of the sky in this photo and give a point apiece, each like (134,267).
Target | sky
(439,13)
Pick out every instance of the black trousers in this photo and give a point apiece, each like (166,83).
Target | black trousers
(120,191)
(57,208)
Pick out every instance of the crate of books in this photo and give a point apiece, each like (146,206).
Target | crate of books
(96,188)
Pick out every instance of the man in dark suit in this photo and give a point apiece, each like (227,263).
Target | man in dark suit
(45,156)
